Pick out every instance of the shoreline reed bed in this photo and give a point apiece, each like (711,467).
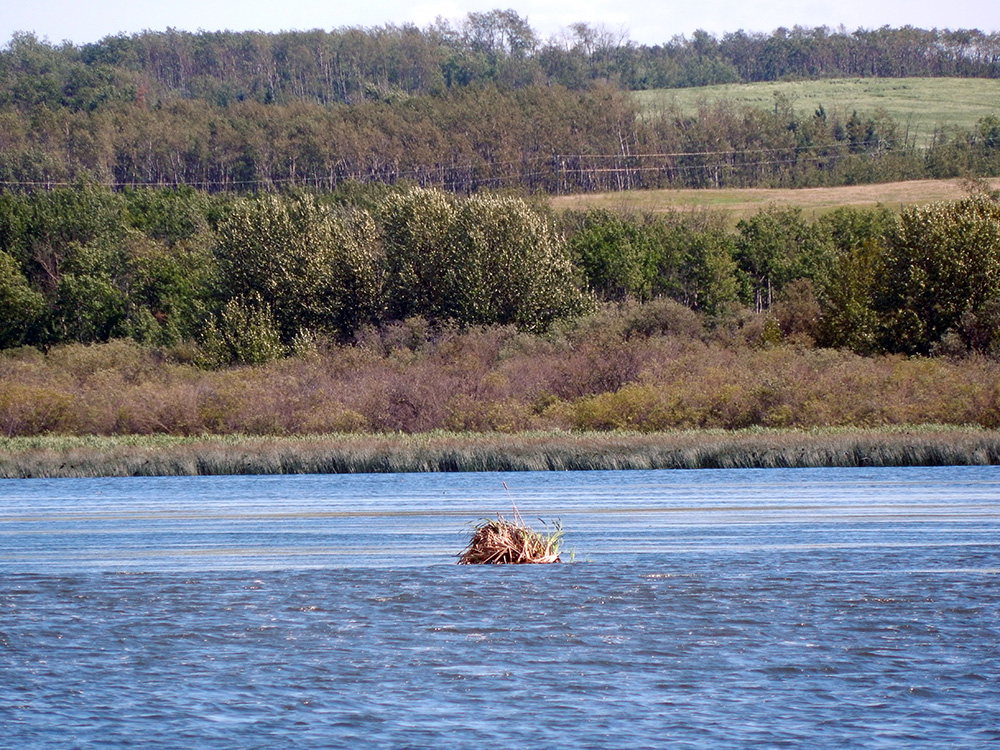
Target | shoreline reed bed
(97,456)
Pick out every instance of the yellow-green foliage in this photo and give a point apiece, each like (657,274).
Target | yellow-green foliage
(20,305)
(318,268)
(487,259)
(941,274)
(310,269)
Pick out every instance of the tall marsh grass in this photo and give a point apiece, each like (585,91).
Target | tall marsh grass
(532,451)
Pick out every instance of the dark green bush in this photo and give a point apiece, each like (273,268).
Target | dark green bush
(941,267)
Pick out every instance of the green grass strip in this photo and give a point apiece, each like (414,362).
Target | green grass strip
(93,456)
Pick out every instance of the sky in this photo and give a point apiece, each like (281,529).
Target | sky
(643,21)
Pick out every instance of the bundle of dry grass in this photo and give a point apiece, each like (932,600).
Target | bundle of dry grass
(511,542)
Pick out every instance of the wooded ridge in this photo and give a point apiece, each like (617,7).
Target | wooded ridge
(481,104)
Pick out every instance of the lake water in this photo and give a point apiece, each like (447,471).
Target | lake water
(709,609)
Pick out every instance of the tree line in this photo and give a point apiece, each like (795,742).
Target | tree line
(229,278)
(537,139)
(348,65)
(924,281)
(482,104)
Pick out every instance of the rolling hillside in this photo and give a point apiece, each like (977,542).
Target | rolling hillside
(919,105)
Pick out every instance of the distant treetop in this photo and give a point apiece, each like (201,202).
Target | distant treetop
(349,65)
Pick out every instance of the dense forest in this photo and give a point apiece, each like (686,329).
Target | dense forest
(480,104)
(497,47)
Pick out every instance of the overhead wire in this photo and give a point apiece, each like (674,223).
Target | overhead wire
(562,165)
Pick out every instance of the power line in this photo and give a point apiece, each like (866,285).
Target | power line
(560,166)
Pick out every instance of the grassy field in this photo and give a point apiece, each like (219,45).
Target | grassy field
(919,105)
(740,202)
(92,456)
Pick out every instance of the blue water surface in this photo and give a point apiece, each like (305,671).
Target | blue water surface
(702,609)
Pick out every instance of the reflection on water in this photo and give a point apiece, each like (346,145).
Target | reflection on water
(706,609)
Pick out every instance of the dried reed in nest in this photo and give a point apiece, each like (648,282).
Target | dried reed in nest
(511,542)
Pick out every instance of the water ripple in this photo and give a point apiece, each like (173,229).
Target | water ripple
(853,608)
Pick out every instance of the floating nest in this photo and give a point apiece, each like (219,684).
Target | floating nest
(511,542)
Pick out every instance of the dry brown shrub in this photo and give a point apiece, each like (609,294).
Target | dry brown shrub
(511,542)
(493,380)
(798,312)
(35,410)
(123,357)
(468,414)
(662,317)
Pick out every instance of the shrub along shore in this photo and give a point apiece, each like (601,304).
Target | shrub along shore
(640,387)
(161,455)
